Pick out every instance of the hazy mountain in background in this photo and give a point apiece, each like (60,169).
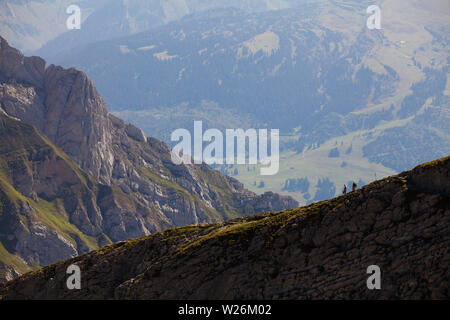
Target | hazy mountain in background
(353,104)
(30,24)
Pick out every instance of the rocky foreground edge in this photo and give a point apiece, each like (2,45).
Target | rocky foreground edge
(321,251)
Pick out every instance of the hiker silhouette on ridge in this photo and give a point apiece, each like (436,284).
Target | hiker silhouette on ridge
(345,189)
(354,185)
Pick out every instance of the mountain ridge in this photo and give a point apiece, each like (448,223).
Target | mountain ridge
(322,251)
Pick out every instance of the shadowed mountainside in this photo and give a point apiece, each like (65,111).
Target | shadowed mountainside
(400,223)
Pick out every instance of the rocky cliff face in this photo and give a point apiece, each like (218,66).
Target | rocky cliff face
(104,177)
(62,104)
(401,224)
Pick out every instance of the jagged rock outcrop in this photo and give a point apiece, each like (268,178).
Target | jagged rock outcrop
(401,224)
(62,104)
(14,66)
(135,133)
(105,178)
